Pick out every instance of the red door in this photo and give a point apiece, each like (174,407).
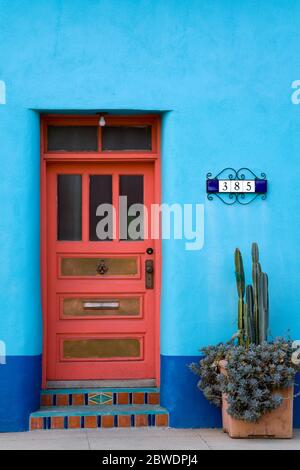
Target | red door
(101,310)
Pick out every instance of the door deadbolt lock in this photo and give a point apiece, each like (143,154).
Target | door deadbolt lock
(149,269)
(149,273)
(149,251)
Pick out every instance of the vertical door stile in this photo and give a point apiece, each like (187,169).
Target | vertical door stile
(147,202)
(115,201)
(85,206)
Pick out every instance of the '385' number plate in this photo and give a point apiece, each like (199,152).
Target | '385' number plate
(236,186)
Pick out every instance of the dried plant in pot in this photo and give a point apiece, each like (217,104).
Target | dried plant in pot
(250,378)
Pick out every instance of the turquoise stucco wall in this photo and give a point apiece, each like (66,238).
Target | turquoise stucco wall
(223,71)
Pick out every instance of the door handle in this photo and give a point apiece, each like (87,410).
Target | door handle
(149,273)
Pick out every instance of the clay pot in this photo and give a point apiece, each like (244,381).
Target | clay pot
(277,423)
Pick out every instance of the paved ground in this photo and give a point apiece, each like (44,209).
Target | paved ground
(142,438)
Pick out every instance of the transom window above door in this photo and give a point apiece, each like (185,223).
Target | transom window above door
(85,135)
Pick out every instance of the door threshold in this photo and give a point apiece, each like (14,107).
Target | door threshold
(101,383)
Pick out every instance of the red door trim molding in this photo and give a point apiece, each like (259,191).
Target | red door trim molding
(99,156)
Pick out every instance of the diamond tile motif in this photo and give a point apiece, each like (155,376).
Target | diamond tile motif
(75,408)
(100,399)
(92,397)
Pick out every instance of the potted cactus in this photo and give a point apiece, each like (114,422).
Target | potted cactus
(250,378)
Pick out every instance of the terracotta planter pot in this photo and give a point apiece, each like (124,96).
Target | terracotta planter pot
(277,423)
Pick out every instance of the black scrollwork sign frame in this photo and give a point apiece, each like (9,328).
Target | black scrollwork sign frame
(232,186)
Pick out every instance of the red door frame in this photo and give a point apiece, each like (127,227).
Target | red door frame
(153,156)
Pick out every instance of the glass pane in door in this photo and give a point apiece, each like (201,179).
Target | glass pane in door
(131,207)
(101,211)
(69,207)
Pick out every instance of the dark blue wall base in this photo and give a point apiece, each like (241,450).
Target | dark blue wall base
(179,394)
(186,404)
(20,386)
(297,404)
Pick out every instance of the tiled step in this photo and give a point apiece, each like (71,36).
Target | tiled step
(100,396)
(109,416)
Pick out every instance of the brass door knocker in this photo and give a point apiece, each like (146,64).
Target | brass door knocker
(102,268)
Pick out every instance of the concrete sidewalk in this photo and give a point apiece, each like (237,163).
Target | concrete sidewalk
(141,438)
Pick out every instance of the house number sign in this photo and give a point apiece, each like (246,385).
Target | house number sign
(236,186)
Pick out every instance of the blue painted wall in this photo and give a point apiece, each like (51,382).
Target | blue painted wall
(223,69)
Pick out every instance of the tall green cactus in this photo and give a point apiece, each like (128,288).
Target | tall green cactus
(253,316)
(240,283)
(251,331)
(256,271)
(263,307)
